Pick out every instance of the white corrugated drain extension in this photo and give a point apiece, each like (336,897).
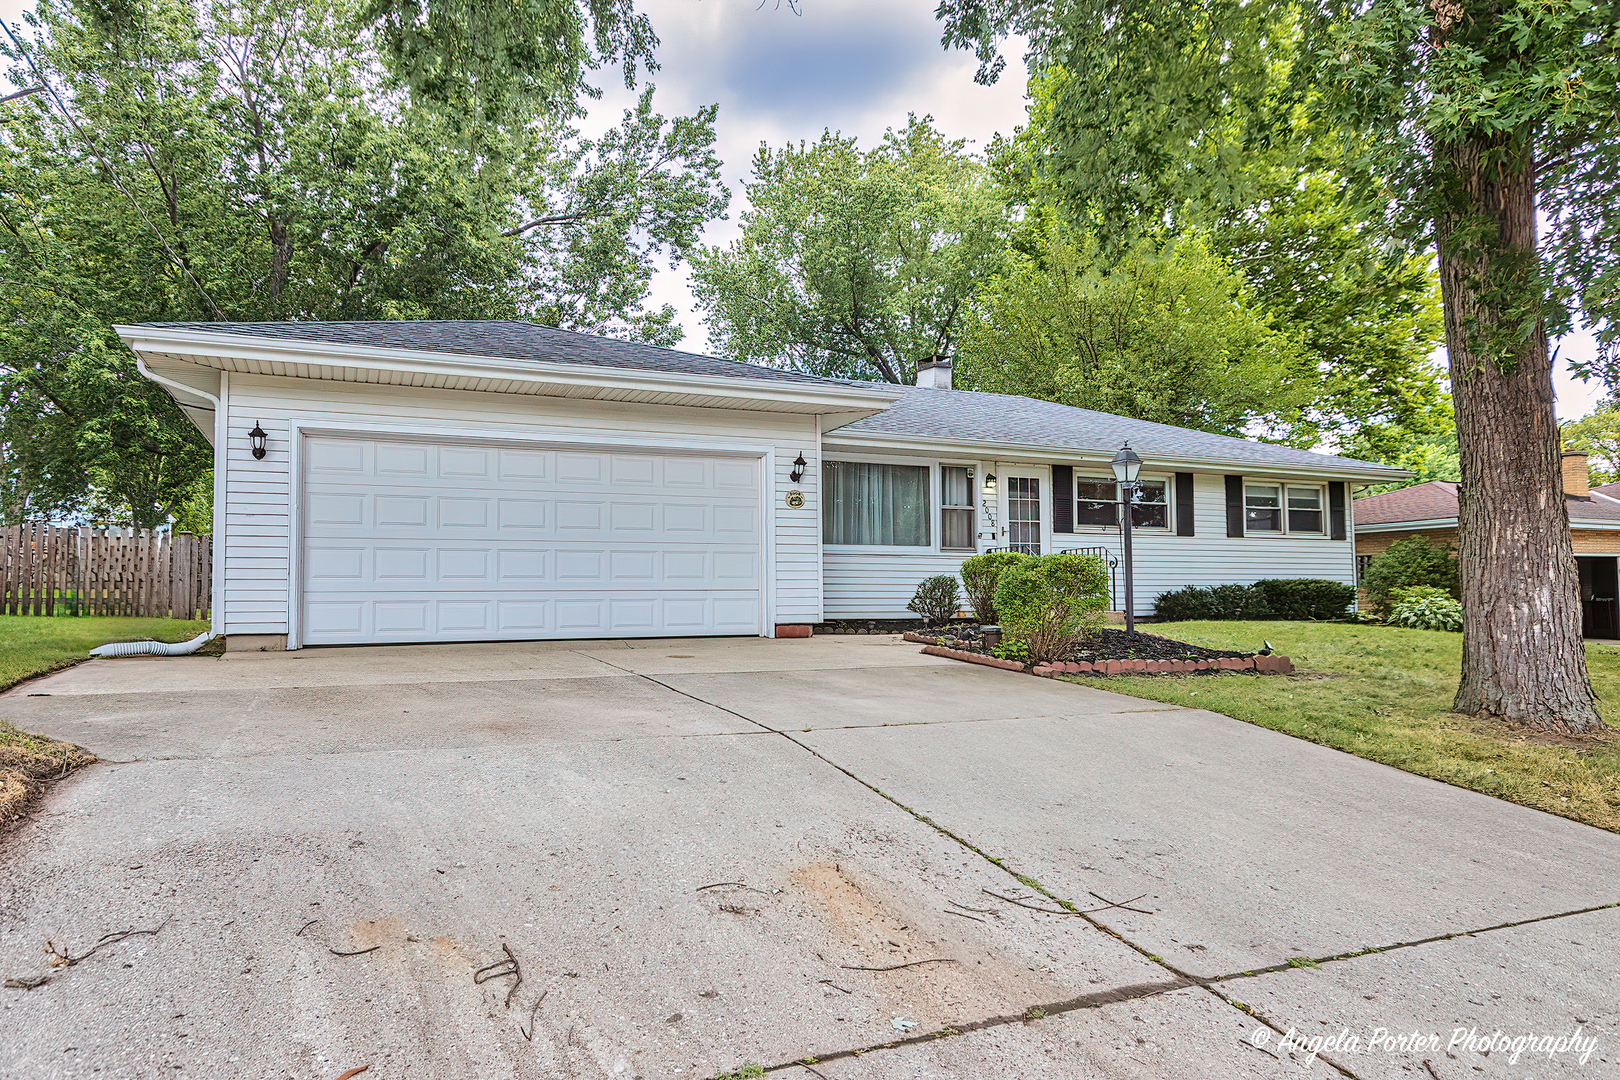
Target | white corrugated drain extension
(153,648)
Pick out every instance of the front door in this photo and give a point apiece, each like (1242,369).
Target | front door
(1024,512)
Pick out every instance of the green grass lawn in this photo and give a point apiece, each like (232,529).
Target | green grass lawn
(1384,693)
(33,645)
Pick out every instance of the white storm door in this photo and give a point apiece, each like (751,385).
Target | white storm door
(408,540)
(1025,497)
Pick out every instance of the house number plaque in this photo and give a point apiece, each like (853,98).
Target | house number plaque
(795,500)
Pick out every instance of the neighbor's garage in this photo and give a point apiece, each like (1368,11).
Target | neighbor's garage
(460,541)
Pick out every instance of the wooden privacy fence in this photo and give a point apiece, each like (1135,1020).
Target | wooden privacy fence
(104,570)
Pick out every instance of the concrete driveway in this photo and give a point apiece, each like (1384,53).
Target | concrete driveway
(701,854)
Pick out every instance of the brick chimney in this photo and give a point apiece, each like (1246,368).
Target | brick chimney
(934,372)
(1575,475)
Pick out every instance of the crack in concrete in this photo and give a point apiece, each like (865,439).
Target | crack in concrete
(1182,978)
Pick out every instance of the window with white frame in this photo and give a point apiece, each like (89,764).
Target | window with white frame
(956,508)
(1292,509)
(1150,509)
(1262,508)
(1304,509)
(868,503)
(1095,501)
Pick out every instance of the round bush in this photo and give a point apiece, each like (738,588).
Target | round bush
(1413,561)
(1050,603)
(1425,607)
(936,600)
(981,573)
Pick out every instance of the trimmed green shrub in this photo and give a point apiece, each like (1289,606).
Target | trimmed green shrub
(1413,561)
(1425,607)
(937,599)
(980,573)
(1212,602)
(1051,602)
(1307,598)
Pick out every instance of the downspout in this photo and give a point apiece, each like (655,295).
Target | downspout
(216,615)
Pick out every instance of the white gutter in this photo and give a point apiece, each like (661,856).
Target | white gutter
(1042,454)
(201,346)
(216,615)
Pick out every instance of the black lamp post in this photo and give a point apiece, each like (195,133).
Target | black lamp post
(1127,467)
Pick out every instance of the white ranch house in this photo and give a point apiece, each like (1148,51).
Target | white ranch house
(470,481)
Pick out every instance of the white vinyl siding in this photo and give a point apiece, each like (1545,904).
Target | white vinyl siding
(878,585)
(257,493)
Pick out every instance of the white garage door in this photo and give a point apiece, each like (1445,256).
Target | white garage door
(419,541)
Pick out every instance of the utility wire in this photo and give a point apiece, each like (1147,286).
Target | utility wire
(111,175)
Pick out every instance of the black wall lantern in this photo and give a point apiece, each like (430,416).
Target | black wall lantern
(256,437)
(798,468)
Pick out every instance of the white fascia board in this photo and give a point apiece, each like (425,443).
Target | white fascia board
(830,398)
(1407,526)
(1045,454)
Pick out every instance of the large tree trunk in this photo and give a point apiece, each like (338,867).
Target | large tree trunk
(1523,657)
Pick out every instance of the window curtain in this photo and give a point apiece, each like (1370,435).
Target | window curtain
(880,505)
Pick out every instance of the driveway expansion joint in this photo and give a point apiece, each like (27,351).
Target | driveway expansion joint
(1182,978)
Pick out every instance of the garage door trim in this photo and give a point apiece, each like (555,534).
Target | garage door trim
(705,446)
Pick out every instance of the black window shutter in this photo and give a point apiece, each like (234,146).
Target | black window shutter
(1063,498)
(1184,504)
(1234,506)
(1336,508)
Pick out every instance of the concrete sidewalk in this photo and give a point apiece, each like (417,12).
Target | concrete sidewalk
(698,850)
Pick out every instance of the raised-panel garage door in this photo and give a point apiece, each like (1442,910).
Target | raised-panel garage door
(421,541)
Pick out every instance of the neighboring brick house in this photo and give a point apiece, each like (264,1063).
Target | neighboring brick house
(1431,510)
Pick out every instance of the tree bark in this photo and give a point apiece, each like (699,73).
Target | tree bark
(1523,657)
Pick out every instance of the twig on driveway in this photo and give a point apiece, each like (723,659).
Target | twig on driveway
(499,969)
(1032,907)
(1107,904)
(357,952)
(738,884)
(980,910)
(1118,904)
(807,1068)
(61,958)
(528,1036)
(835,986)
(897,967)
(300,931)
(964,915)
(1262,1049)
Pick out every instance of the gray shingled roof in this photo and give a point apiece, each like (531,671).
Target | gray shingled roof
(973,417)
(949,415)
(501,340)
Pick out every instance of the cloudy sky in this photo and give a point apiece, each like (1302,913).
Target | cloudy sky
(855,66)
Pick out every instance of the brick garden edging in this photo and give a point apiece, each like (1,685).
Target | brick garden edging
(1260,665)
(973,658)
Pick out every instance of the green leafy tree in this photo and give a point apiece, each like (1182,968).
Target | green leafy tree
(1168,333)
(1456,121)
(1363,305)
(1598,436)
(204,161)
(855,263)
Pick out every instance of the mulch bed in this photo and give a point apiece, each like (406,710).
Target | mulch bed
(1108,652)
(1109,644)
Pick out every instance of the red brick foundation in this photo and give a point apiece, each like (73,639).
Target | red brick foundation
(793,629)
